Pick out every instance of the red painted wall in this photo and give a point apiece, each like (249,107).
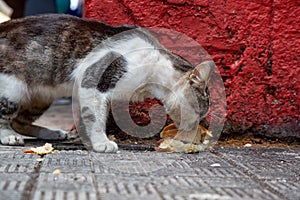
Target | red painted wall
(255,44)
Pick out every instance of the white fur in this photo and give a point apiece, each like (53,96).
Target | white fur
(148,69)
(16,90)
(13,88)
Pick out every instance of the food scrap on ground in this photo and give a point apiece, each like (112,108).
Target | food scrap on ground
(112,138)
(57,171)
(248,145)
(172,145)
(40,159)
(216,165)
(174,141)
(43,150)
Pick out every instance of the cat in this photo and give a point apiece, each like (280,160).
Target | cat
(42,56)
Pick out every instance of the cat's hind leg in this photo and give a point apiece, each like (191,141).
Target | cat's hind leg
(30,113)
(38,131)
(8,111)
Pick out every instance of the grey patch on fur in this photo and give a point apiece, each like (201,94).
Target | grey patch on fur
(87,114)
(112,74)
(84,110)
(7,108)
(84,134)
(105,73)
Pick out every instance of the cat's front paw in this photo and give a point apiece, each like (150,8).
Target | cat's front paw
(9,137)
(107,147)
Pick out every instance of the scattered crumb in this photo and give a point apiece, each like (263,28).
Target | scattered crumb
(248,145)
(40,159)
(57,171)
(112,138)
(215,165)
(43,150)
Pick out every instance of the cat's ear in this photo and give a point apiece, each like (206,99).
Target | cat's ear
(202,73)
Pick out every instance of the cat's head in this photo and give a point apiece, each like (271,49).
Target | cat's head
(188,101)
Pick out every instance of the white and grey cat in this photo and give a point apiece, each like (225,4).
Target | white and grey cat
(42,56)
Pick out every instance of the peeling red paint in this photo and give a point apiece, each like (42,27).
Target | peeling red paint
(255,44)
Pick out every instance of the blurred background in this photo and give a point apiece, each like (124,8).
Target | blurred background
(10,9)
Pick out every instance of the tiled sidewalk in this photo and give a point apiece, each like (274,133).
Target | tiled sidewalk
(228,173)
(224,174)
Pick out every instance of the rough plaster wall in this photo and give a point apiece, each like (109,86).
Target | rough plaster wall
(255,44)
